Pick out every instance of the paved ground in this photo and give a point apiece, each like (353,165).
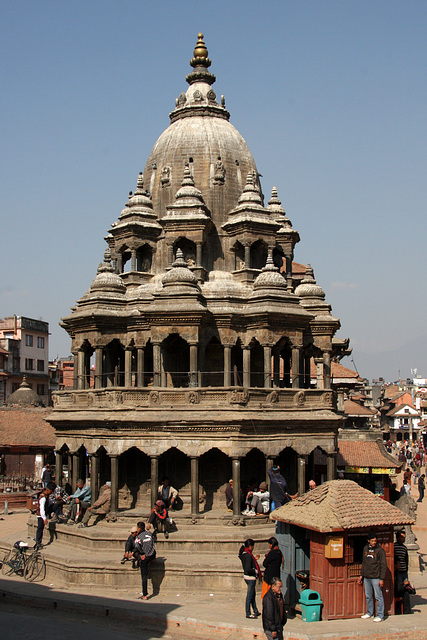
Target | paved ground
(195,615)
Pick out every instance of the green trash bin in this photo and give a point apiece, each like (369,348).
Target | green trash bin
(310,605)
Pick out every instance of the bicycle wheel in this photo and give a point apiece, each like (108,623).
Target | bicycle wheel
(11,562)
(34,567)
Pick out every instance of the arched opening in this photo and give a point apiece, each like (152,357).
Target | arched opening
(82,461)
(114,364)
(176,361)
(66,469)
(125,259)
(257,364)
(252,470)
(279,258)
(148,365)
(259,253)
(215,472)
(282,358)
(239,256)
(88,351)
(288,462)
(176,466)
(237,364)
(188,249)
(104,466)
(144,258)
(134,479)
(317,466)
(213,375)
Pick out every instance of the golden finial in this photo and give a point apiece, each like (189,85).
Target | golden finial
(200,54)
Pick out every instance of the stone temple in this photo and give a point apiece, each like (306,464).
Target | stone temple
(195,344)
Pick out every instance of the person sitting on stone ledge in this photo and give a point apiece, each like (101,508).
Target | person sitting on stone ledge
(80,501)
(229,495)
(57,499)
(130,548)
(167,494)
(159,518)
(259,501)
(100,507)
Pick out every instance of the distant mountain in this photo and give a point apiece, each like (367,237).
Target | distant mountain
(393,363)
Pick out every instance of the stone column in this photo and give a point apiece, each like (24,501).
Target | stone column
(170,255)
(128,367)
(227,365)
(156,364)
(140,367)
(295,367)
(319,373)
(276,369)
(236,486)
(98,368)
(193,365)
(327,369)
(163,375)
(289,272)
(80,370)
(133,260)
(154,478)
(340,400)
(331,472)
(246,367)
(199,254)
(75,368)
(302,468)
(267,367)
(247,256)
(58,468)
(194,485)
(268,465)
(94,479)
(75,470)
(120,263)
(114,483)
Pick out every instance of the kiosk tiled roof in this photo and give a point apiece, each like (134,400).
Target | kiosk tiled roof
(25,428)
(339,505)
(365,453)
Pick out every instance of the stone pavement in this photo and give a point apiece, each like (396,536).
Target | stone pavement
(210,615)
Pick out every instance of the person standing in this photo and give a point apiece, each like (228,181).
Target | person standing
(401,562)
(421,487)
(42,513)
(146,553)
(251,573)
(272,564)
(278,487)
(273,611)
(374,569)
(46,475)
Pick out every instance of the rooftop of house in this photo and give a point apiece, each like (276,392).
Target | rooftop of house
(25,428)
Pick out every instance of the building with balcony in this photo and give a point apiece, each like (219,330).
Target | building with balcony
(192,346)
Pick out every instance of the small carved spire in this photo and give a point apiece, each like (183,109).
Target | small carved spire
(188,180)
(106,266)
(140,184)
(200,54)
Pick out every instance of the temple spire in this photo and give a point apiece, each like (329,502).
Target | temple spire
(200,54)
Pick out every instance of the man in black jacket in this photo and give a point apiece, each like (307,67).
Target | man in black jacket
(374,569)
(273,611)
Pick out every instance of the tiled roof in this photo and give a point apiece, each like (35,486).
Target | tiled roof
(340,505)
(355,409)
(365,453)
(25,427)
(391,390)
(337,371)
(298,268)
(400,408)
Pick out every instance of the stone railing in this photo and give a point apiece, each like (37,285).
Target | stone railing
(169,397)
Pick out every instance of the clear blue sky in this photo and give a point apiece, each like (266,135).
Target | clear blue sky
(330,96)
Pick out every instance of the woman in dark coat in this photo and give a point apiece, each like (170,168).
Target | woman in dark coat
(272,563)
(251,573)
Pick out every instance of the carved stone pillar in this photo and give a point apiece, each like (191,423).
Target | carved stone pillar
(331,471)
(120,263)
(194,485)
(289,273)
(163,376)
(128,367)
(302,468)
(114,483)
(80,370)
(140,367)
(327,369)
(154,478)
(170,255)
(296,367)
(199,254)
(133,260)
(75,470)
(319,373)
(247,256)
(75,368)
(276,369)
(267,367)
(340,399)
(236,486)
(246,367)
(58,468)
(156,364)
(193,365)
(227,365)
(94,477)
(98,368)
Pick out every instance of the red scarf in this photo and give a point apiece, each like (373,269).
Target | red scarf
(258,570)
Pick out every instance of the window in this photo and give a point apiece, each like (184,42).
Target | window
(28,340)
(15,386)
(40,365)
(40,390)
(29,364)
(40,343)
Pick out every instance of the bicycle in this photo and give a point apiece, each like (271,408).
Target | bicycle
(17,561)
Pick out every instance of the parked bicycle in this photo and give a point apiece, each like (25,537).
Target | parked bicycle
(18,561)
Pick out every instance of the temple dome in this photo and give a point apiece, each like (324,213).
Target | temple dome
(24,396)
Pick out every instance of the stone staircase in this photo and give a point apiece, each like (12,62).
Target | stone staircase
(201,556)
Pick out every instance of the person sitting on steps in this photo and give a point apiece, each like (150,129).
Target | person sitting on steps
(159,518)
(100,507)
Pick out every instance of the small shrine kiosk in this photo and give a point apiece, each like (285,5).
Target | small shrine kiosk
(324,532)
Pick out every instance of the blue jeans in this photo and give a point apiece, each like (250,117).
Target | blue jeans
(250,597)
(372,588)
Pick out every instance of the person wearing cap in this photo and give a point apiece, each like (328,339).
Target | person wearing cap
(259,501)
(100,507)
(130,547)
(159,518)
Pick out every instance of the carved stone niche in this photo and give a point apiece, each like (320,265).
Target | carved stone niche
(238,397)
(300,398)
(193,397)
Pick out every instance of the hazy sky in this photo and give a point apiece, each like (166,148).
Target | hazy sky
(330,96)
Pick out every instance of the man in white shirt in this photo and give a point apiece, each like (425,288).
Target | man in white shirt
(42,513)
